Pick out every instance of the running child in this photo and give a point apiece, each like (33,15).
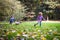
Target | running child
(39,19)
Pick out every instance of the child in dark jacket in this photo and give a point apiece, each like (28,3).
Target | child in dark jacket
(11,19)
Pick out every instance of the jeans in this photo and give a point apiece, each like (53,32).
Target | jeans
(39,23)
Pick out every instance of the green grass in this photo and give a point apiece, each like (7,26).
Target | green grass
(47,29)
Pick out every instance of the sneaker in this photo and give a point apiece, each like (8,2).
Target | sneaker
(34,25)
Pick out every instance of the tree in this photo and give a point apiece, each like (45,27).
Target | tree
(52,13)
(46,6)
(11,7)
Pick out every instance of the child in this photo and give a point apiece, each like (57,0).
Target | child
(39,19)
(11,19)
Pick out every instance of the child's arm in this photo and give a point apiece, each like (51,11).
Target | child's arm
(44,19)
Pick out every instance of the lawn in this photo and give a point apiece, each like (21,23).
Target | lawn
(27,30)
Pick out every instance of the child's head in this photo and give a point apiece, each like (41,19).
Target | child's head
(12,16)
(40,13)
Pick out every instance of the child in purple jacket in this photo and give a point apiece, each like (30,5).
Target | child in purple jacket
(39,19)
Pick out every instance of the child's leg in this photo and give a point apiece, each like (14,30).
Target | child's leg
(40,23)
(35,24)
(10,22)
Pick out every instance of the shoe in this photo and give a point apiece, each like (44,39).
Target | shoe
(34,25)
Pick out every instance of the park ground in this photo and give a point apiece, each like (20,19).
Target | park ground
(49,29)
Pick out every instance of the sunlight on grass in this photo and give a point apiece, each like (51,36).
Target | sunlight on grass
(27,29)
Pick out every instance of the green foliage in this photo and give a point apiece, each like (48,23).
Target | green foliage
(11,7)
(26,28)
(46,6)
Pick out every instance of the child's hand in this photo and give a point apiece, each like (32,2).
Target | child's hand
(44,19)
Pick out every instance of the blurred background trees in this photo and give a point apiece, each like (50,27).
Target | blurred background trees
(11,7)
(48,7)
(20,8)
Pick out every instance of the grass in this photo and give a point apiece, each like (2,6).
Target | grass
(50,29)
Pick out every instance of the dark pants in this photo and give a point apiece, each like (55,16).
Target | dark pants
(11,22)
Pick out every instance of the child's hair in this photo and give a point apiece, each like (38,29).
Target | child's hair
(40,13)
